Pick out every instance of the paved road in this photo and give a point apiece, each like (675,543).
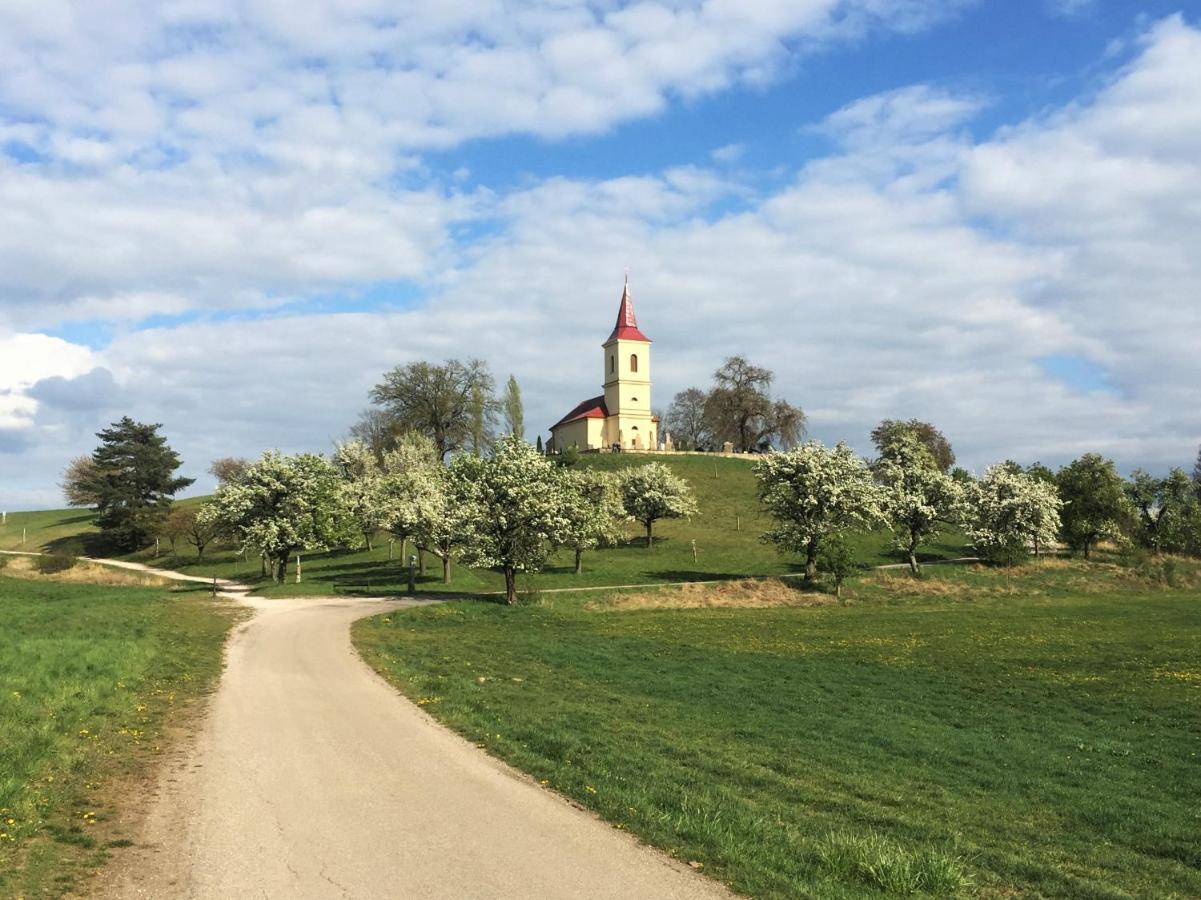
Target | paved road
(312,778)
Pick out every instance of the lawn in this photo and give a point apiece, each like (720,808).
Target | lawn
(726,533)
(1036,732)
(90,676)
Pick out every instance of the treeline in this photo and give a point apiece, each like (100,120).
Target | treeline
(499,502)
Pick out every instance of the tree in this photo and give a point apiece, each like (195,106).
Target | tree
(1161,504)
(378,429)
(77,482)
(813,492)
(517,501)
(203,528)
(918,499)
(685,420)
(653,492)
(451,403)
(592,511)
(513,410)
(1197,475)
(539,446)
(409,472)
(837,559)
(1010,511)
(228,468)
(285,504)
(739,409)
(1041,472)
(362,489)
(483,409)
(132,482)
(1095,505)
(176,524)
(444,514)
(892,430)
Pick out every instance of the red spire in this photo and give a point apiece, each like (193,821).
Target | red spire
(627,326)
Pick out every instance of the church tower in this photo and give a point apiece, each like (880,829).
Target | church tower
(621,416)
(627,361)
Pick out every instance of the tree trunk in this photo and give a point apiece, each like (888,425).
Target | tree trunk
(420,560)
(913,566)
(367,538)
(579,561)
(263,565)
(510,586)
(446,568)
(838,590)
(282,569)
(650,537)
(811,561)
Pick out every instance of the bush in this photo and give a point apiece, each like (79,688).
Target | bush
(875,860)
(3,561)
(51,563)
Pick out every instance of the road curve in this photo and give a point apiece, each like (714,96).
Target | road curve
(312,778)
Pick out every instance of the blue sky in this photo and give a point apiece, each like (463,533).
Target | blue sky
(232,218)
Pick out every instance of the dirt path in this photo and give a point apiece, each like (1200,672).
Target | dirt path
(312,778)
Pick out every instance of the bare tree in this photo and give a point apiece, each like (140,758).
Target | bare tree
(78,482)
(740,409)
(228,469)
(685,420)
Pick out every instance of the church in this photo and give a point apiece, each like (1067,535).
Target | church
(621,416)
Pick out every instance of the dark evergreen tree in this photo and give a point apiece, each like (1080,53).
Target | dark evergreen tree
(133,482)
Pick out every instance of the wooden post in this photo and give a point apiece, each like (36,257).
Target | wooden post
(298,568)
(738,523)
(694,551)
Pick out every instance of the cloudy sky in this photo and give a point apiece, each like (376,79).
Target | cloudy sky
(231,216)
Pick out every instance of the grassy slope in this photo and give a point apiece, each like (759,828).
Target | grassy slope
(726,533)
(1047,730)
(89,675)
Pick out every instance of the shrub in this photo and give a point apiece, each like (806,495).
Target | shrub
(3,561)
(51,563)
(875,860)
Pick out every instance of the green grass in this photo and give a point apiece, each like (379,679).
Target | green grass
(89,678)
(64,530)
(726,532)
(1031,734)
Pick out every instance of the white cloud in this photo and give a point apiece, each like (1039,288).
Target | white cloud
(26,359)
(915,271)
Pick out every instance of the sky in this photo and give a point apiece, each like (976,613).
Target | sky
(231,217)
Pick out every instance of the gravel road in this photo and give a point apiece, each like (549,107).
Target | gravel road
(310,777)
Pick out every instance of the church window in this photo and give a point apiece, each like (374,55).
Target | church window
(633,362)
(612,364)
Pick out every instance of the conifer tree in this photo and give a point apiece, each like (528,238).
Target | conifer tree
(132,481)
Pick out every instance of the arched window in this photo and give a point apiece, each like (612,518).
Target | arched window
(633,362)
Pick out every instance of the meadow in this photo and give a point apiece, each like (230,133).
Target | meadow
(976,732)
(726,534)
(92,677)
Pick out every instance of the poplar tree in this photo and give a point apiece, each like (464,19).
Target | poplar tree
(513,410)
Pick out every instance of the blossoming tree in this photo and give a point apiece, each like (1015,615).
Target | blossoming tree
(1010,512)
(813,491)
(515,501)
(654,492)
(918,499)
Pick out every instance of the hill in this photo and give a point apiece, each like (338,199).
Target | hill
(726,533)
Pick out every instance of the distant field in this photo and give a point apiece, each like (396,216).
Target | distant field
(1037,732)
(89,677)
(726,532)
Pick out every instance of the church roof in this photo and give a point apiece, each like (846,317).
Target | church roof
(593,408)
(626,328)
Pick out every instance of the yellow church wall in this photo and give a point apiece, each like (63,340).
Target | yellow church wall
(587,434)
